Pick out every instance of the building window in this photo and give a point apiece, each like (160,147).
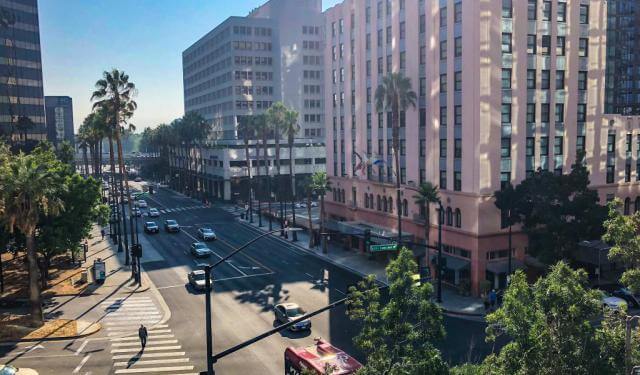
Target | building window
(423,55)
(505,179)
(559,79)
(531,78)
(627,173)
(546,10)
(403,60)
(379,203)
(423,175)
(457,12)
(388,34)
(443,83)
(423,87)
(545,81)
(627,206)
(611,143)
(449,216)
(506,78)
(380,120)
(637,205)
(457,42)
(544,146)
(443,16)
(389,63)
(380,66)
(457,181)
(457,84)
(531,44)
(443,148)
(506,42)
(458,216)
(443,50)
(584,14)
(580,143)
(405,208)
(583,47)
(531,113)
(367,14)
(443,179)
(530,146)
(423,118)
(506,113)
(558,145)
(582,113)
(582,80)
(402,30)
(505,147)
(559,112)
(546,45)
(562,12)
(560,45)
(341,22)
(507,9)
(457,115)
(544,112)
(443,116)
(610,173)
(532,9)
(423,147)
(423,23)
(457,148)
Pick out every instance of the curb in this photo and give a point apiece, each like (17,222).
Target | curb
(93,328)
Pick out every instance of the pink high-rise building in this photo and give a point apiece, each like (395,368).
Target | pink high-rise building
(504,87)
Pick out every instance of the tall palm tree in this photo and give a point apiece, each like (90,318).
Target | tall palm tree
(276,115)
(246,130)
(395,94)
(84,146)
(28,187)
(115,92)
(291,128)
(264,129)
(259,124)
(427,194)
(320,184)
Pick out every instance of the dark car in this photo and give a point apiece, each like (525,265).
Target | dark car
(171,226)
(151,227)
(197,279)
(286,312)
(616,290)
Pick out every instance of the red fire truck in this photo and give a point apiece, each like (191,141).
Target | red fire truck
(321,358)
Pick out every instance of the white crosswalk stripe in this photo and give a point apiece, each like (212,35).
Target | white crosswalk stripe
(163,353)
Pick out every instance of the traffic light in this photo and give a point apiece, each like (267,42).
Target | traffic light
(367,239)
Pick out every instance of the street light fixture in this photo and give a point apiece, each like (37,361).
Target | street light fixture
(208,290)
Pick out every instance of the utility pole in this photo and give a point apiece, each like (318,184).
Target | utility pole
(209,333)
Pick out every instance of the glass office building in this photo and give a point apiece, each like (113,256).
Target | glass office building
(21,94)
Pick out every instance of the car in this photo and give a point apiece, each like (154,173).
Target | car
(286,312)
(200,250)
(171,226)
(614,303)
(207,234)
(138,179)
(197,279)
(136,212)
(11,370)
(314,204)
(619,291)
(151,227)
(142,203)
(301,205)
(153,212)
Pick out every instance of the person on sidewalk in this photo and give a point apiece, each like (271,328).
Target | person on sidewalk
(142,333)
(493,298)
(102,233)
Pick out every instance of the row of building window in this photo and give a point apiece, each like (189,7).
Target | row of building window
(249,104)
(310,30)
(249,75)
(250,60)
(251,90)
(247,30)
(256,46)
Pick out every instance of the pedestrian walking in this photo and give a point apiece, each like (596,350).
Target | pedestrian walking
(102,233)
(493,297)
(142,333)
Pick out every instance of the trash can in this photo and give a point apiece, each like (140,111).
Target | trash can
(99,271)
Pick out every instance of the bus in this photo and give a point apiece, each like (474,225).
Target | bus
(322,358)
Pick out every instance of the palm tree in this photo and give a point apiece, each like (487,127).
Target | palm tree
(259,128)
(84,145)
(246,130)
(427,194)
(277,115)
(291,128)
(320,184)
(28,189)
(263,128)
(192,129)
(115,93)
(395,94)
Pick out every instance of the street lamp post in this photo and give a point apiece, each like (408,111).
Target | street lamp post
(208,290)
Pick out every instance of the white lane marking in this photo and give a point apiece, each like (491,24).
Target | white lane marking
(159,342)
(154,329)
(84,360)
(308,275)
(153,362)
(117,331)
(154,369)
(150,349)
(150,355)
(150,337)
(84,343)
(339,291)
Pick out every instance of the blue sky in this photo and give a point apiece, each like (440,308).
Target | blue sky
(145,38)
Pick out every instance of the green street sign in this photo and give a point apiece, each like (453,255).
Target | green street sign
(385,247)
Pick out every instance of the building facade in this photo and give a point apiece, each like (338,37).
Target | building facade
(623,57)
(59,114)
(503,88)
(21,94)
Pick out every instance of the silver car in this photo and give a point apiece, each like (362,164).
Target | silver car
(200,250)
(153,212)
(207,234)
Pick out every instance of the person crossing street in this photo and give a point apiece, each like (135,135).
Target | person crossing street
(142,333)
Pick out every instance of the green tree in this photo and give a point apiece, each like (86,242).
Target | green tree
(395,94)
(320,184)
(427,194)
(28,188)
(556,212)
(550,324)
(398,335)
(621,231)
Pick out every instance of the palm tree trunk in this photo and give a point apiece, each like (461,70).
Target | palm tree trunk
(114,194)
(265,148)
(323,239)
(276,136)
(311,236)
(396,153)
(248,160)
(292,179)
(100,158)
(427,229)
(35,298)
(85,158)
(123,176)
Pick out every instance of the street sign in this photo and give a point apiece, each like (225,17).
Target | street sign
(385,247)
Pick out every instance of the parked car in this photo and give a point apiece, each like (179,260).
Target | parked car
(138,179)
(136,212)
(142,203)
(197,279)
(171,226)
(151,227)
(314,204)
(613,303)
(286,312)
(207,234)
(200,250)
(153,212)
(301,205)
(11,370)
(619,291)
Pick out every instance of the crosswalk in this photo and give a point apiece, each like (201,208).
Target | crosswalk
(179,209)
(163,353)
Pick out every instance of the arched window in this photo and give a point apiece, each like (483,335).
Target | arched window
(637,208)
(384,204)
(449,216)
(390,204)
(458,218)
(627,206)
(371,201)
(405,207)
(441,215)
(344,196)
(366,200)
(335,199)
(379,203)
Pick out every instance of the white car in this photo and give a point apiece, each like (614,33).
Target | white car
(207,234)
(142,203)
(314,204)
(10,370)
(614,303)
(153,212)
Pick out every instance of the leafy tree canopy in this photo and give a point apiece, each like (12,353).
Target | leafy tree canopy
(621,231)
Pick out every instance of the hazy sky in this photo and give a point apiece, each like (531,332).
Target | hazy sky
(145,38)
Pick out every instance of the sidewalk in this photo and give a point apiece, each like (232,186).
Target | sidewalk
(453,303)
